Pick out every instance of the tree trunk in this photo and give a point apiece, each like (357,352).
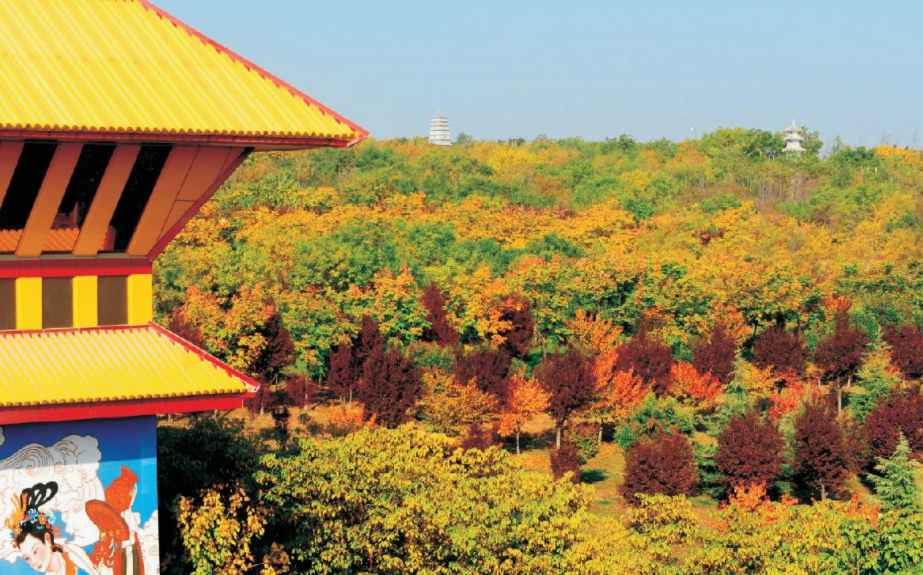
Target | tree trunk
(559,436)
(600,433)
(517,442)
(839,400)
(823,492)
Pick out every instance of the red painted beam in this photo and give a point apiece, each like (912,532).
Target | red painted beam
(70,267)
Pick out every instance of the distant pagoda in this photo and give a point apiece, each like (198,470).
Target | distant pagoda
(793,138)
(439,131)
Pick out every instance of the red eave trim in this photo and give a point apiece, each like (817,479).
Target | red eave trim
(117,409)
(141,137)
(72,267)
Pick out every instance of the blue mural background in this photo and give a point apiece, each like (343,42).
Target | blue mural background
(128,442)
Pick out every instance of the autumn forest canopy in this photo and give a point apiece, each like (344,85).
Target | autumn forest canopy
(616,356)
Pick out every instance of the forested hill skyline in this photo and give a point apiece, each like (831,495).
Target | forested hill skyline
(677,231)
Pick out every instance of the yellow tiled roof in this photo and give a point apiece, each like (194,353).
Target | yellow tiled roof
(108,364)
(125,66)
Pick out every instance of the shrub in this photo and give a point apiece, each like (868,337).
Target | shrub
(566,459)
(662,464)
(749,451)
(212,450)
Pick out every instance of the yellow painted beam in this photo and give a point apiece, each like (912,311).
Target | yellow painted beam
(86,306)
(168,186)
(205,170)
(107,198)
(140,299)
(9,158)
(28,303)
(48,200)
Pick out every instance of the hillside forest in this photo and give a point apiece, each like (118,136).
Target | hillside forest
(556,356)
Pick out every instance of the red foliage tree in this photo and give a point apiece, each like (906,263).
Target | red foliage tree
(299,391)
(822,459)
(369,342)
(344,374)
(390,387)
(901,412)
(347,360)
(715,353)
(261,400)
(783,351)
(661,464)
(906,345)
(749,451)
(439,330)
(565,459)
(488,368)
(518,313)
(568,379)
(279,352)
(839,355)
(649,359)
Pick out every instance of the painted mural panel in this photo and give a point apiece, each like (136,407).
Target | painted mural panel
(79,497)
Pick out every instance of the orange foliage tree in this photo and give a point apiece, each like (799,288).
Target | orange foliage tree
(526,400)
(701,390)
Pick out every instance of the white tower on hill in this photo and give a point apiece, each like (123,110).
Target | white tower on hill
(439,131)
(793,139)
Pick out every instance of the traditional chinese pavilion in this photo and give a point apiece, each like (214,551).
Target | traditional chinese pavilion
(117,122)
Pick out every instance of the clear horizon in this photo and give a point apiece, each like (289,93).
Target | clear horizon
(591,69)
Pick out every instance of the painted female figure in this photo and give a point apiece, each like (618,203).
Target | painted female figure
(34,533)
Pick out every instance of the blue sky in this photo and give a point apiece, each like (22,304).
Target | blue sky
(593,69)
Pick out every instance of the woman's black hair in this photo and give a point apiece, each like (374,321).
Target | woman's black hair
(38,495)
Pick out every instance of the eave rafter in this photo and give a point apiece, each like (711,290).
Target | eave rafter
(190,175)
